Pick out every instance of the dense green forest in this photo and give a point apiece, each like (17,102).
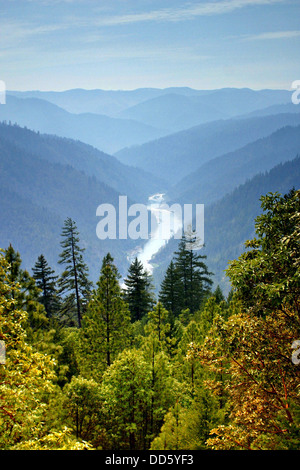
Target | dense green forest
(229,221)
(110,366)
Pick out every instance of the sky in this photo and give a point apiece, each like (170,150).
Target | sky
(128,44)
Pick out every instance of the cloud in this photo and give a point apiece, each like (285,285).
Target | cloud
(187,12)
(273,35)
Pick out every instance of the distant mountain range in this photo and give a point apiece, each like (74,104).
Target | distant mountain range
(178,155)
(231,101)
(108,102)
(45,179)
(106,133)
(70,151)
(112,120)
(217,177)
(177,112)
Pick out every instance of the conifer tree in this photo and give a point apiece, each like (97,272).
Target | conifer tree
(158,323)
(27,377)
(46,281)
(169,292)
(26,296)
(73,282)
(106,324)
(218,294)
(138,293)
(193,274)
(164,388)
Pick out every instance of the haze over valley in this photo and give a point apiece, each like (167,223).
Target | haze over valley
(62,157)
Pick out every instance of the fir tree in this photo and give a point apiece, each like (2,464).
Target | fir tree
(138,291)
(74,280)
(46,281)
(106,324)
(169,292)
(158,323)
(26,296)
(195,279)
(218,294)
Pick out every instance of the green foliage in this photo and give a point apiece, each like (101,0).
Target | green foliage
(126,389)
(187,281)
(169,294)
(267,275)
(106,328)
(81,408)
(26,378)
(255,341)
(137,292)
(73,282)
(192,371)
(45,279)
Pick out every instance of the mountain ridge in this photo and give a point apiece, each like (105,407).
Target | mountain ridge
(179,154)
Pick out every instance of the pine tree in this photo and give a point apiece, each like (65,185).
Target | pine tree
(106,324)
(164,388)
(74,280)
(46,281)
(27,379)
(218,294)
(158,323)
(169,292)
(193,274)
(138,293)
(26,296)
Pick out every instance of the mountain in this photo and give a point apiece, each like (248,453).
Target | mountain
(237,101)
(105,168)
(230,221)
(177,112)
(229,101)
(222,174)
(173,112)
(108,102)
(274,109)
(177,155)
(106,133)
(40,189)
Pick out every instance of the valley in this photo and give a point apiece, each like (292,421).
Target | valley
(190,146)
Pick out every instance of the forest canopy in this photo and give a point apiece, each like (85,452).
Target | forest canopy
(108,366)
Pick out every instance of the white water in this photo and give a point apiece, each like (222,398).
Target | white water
(156,239)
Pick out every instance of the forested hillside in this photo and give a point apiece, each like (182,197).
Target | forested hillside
(96,351)
(215,178)
(228,221)
(45,184)
(85,158)
(103,132)
(178,155)
(101,367)
(150,231)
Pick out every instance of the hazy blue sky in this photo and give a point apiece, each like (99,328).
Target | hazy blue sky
(127,44)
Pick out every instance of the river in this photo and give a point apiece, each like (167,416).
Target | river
(157,239)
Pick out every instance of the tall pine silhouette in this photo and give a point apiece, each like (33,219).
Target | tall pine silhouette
(138,293)
(105,328)
(187,280)
(73,282)
(195,279)
(46,279)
